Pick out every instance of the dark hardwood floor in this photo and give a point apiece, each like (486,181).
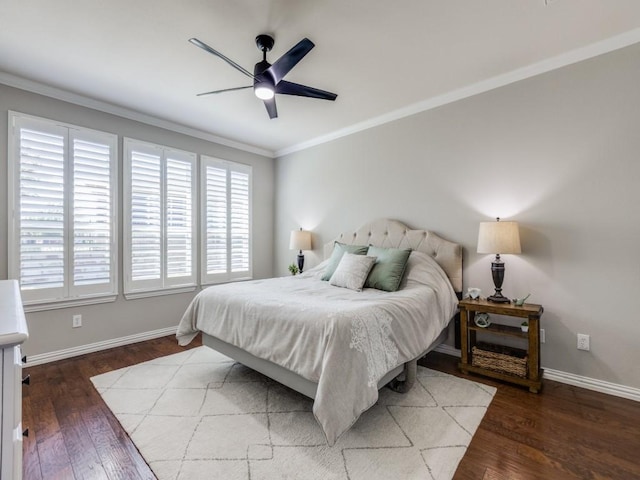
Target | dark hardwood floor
(72,433)
(562,433)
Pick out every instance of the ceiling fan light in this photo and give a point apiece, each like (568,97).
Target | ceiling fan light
(264,92)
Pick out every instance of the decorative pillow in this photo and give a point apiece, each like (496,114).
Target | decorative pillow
(339,249)
(352,271)
(389,269)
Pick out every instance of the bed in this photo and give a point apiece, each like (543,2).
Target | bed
(336,345)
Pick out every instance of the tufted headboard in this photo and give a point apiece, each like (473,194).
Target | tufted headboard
(393,234)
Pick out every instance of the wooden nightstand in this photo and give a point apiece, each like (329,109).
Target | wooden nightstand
(532,377)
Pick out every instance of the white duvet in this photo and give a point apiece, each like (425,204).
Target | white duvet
(345,341)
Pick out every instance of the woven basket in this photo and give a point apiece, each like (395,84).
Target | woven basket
(500,358)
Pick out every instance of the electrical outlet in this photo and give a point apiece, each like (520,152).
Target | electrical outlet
(76,321)
(583,342)
(542,336)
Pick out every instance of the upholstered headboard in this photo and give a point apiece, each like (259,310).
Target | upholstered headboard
(393,234)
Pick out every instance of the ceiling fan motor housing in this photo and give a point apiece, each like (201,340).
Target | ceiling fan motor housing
(262,79)
(260,68)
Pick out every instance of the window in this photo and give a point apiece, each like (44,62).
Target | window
(160,212)
(226,221)
(62,205)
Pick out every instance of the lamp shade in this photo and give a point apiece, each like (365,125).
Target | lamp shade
(300,240)
(499,237)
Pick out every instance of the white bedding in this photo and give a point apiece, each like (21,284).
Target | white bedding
(345,341)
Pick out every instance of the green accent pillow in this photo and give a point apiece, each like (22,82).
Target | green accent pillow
(389,269)
(339,249)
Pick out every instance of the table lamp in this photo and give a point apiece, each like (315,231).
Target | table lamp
(300,240)
(498,237)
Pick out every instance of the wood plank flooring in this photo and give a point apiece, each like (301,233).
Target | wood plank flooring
(562,433)
(72,433)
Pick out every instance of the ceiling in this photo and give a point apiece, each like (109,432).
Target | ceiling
(380,57)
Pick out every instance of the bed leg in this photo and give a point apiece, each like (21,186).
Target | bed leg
(409,374)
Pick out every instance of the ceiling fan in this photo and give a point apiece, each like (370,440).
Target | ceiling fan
(268,78)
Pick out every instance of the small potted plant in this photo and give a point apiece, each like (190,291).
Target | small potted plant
(524,326)
(293,268)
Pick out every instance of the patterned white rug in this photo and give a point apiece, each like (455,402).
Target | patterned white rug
(198,415)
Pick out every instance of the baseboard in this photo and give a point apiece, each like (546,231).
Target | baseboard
(41,358)
(601,386)
(448,350)
(594,384)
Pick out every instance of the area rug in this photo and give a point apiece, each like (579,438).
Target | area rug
(198,415)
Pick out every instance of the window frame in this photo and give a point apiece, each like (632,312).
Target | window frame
(228,275)
(69,294)
(163,285)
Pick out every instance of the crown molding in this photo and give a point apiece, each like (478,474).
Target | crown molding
(568,58)
(83,101)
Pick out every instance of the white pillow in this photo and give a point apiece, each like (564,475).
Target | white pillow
(352,271)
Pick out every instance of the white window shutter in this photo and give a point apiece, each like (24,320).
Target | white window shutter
(160,192)
(226,219)
(93,211)
(180,218)
(143,216)
(41,204)
(215,221)
(239,220)
(146,217)
(61,210)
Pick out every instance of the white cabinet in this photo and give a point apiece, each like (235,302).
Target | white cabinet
(13,332)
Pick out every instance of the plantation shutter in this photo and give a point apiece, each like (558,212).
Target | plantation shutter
(61,210)
(41,202)
(239,186)
(159,202)
(215,193)
(93,213)
(180,218)
(226,212)
(146,218)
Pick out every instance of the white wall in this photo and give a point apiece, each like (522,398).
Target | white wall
(559,153)
(51,331)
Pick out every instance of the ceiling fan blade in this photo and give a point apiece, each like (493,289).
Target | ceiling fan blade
(207,48)
(289,88)
(223,90)
(286,62)
(271,107)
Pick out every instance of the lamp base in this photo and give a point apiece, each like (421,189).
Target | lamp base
(498,298)
(497,273)
(300,261)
